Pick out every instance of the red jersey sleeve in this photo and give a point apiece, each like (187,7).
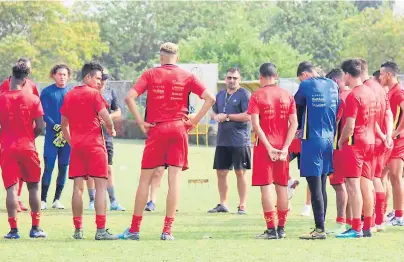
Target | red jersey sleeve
(5,86)
(351,106)
(37,110)
(399,97)
(292,107)
(141,84)
(35,90)
(253,107)
(196,86)
(99,102)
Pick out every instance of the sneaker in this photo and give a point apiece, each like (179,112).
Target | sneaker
(292,184)
(380,228)
(306,211)
(315,234)
(13,234)
(128,235)
(281,232)
(349,234)
(367,233)
(150,206)
(166,236)
(391,214)
(219,209)
(396,222)
(103,234)
(36,232)
(57,205)
(241,210)
(91,205)
(44,205)
(78,234)
(21,206)
(268,234)
(115,206)
(339,228)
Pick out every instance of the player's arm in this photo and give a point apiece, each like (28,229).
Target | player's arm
(347,131)
(65,129)
(209,100)
(131,103)
(242,117)
(39,126)
(215,111)
(400,127)
(379,132)
(109,124)
(48,120)
(300,101)
(255,121)
(115,108)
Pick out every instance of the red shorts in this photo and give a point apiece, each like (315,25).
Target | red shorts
(338,176)
(358,160)
(398,149)
(295,146)
(381,155)
(24,165)
(166,145)
(265,171)
(88,162)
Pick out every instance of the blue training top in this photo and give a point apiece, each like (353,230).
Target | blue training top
(317,102)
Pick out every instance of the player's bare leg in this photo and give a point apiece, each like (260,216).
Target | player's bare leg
(223,191)
(35,205)
(379,203)
(12,209)
(348,213)
(353,186)
(367,196)
(77,207)
(155,185)
(396,172)
(111,192)
(91,192)
(307,206)
(282,203)
(242,189)
(342,200)
(21,207)
(268,206)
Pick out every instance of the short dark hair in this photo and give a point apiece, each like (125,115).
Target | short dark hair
(335,73)
(91,68)
(21,71)
(376,73)
(304,66)
(60,66)
(352,67)
(268,70)
(23,60)
(392,67)
(234,70)
(364,65)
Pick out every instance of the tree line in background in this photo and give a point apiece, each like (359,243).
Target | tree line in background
(125,35)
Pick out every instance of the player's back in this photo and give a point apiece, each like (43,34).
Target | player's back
(18,109)
(275,105)
(320,97)
(81,106)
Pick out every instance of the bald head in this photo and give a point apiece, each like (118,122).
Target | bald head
(168,53)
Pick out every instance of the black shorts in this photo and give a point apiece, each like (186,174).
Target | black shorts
(228,157)
(110,151)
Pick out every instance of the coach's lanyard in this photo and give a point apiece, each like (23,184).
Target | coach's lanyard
(226,100)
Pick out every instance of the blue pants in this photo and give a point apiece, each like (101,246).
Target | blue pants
(316,157)
(51,152)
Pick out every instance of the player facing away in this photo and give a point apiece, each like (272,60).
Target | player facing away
(383,142)
(30,87)
(337,178)
(168,88)
(274,120)
(19,160)
(233,139)
(388,77)
(111,97)
(356,143)
(55,145)
(317,105)
(82,111)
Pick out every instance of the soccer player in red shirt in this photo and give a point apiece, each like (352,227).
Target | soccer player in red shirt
(81,125)
(28,86)
(357,144)
(274,120)
(168,88)
(383,142)
(19,159)
(388,77)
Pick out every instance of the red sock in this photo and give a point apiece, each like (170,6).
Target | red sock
(356,224)
(282,214)
(398,213)
(270,219)
(168,221)
(135,226)
(349,221)
(20,183)
(366,223)
(340,220)
(13,222)
(379,207)
(35,218)
(100,221)
(78,222)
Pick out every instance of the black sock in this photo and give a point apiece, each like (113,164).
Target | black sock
(44,192)
(58,192)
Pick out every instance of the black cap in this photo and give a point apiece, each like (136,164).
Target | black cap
(104,76)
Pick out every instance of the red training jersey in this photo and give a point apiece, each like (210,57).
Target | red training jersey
(168,93)
(81,106)
(361,105)
(18,109)
(343,94)
(396,98)
(274,105)
(382,105)
(29,86)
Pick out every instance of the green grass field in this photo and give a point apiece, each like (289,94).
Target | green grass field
(199,236)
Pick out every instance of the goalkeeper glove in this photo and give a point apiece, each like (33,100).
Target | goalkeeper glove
(57,128)
(59,140)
